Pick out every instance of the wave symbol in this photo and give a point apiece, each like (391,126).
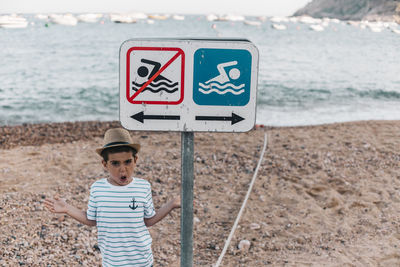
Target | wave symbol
(221,86)
(222,92)
(221,89)
(153,87)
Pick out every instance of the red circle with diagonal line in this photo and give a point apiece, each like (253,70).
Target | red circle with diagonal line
(179,54)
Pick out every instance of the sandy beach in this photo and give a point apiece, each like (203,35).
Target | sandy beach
(325,195)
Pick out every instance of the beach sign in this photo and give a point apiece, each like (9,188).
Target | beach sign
(188,85)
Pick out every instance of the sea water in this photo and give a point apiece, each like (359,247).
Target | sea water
(56,73)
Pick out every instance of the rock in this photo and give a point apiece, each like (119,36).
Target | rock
(71,233)
(350,9)
(61,218)
(244,245)
(254,226)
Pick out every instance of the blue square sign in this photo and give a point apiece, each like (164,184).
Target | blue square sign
(221,77)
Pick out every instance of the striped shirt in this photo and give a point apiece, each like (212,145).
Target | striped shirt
(119,211)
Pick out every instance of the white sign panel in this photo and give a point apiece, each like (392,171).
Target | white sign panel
(188,85)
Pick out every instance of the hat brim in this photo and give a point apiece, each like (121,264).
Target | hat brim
(134,146)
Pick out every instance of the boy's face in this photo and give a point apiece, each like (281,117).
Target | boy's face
(120,166)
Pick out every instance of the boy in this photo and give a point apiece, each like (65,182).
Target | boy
(121,206)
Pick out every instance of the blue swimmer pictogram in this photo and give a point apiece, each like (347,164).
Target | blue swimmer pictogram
(221,84)
(160,83)
(221,77)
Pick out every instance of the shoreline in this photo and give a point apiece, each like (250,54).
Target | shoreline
(36,134)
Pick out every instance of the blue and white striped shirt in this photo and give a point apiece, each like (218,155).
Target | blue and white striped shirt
(119,211)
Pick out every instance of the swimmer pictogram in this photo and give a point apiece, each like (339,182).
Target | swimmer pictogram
(222,77)
(221,84)
(151,78)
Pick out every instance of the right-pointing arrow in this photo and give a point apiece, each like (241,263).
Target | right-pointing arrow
(233,119)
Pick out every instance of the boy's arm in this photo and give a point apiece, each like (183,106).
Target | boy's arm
(163,211)
(58,205)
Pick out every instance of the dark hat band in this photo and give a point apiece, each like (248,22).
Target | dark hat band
(116,143)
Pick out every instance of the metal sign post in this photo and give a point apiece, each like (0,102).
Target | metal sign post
(187,199)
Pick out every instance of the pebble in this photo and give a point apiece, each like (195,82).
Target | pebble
(244,245)
(254,226)
(61,218)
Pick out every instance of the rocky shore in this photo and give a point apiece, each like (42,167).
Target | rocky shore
(372,10)
(325,195)
(52,133)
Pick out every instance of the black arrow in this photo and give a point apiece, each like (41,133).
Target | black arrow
(141,117)
(234,118)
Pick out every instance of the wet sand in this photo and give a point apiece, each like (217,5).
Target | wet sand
(325,195)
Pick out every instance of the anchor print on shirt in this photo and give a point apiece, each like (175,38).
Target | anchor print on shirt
(133,206)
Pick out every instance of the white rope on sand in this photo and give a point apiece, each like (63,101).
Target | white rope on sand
(243,205)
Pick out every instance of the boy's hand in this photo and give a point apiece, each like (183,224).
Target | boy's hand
(56,205)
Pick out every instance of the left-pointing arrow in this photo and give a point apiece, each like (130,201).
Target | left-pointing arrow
(141,117)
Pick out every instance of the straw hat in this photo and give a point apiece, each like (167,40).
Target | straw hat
(117,137)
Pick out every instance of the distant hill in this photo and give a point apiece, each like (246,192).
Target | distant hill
(385,10)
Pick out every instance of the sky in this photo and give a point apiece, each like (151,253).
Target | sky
(242,7)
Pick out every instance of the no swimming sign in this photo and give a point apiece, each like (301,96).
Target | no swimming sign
(147,72)
(188,85)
